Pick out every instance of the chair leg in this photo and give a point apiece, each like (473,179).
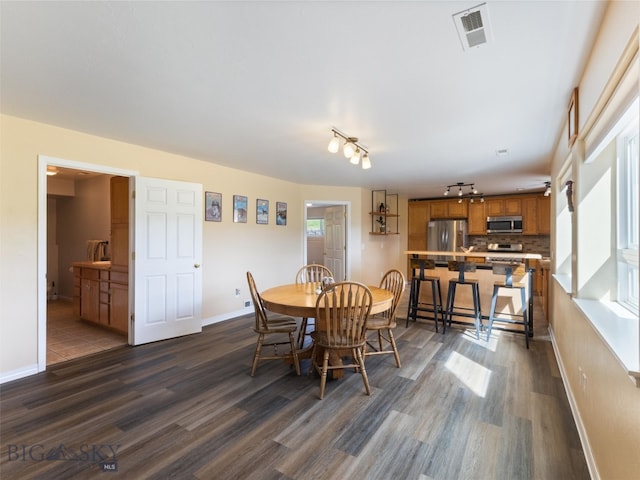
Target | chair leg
(524,316)
(313,364)
(357,353)
(435,303)
(323,373)
(476,309)
(492,311)
(256,355)
(302,333)
(392,341)
(379,340)
(294,352)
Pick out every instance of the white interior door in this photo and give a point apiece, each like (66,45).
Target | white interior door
(335,219)
(167,256)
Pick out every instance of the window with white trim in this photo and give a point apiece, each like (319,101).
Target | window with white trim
(628,214)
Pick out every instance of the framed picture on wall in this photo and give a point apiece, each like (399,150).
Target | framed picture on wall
(239,209)
(281,213)
(262,211)
(212,206)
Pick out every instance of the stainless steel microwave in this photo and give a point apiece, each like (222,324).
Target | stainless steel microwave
(504,224)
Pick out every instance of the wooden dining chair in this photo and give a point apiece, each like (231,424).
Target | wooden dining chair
(311,273)
(270,326)
(342,311)
(384,323)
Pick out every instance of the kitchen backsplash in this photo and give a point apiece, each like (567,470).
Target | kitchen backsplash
(530,243)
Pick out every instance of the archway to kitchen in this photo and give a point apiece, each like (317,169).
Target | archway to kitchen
(72,219)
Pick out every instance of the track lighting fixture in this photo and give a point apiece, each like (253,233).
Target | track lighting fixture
(472,195)
(351,149)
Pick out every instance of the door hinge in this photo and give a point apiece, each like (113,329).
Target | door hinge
(133,194)
(133,255)
(133,318)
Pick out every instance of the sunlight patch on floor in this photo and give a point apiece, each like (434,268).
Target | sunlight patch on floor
(472,374)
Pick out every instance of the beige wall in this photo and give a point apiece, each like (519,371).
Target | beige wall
(273,253)
(608,409)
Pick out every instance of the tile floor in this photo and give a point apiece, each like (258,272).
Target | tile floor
(69,337)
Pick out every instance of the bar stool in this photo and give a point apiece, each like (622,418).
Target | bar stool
(415,306)
(451,308)
(509,271)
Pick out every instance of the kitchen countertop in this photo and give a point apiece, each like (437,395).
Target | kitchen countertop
(505,255)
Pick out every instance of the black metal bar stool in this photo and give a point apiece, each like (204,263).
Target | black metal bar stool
(509,271)
(451,308)
(415,306)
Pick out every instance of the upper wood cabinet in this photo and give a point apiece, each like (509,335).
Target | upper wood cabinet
(544,215)
(418,216)
(497,207)
(477,219)
(448,209)
(529,216)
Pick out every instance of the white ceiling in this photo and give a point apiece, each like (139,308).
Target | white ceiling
(258,85)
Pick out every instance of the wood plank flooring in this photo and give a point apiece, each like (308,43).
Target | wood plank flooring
(187,408)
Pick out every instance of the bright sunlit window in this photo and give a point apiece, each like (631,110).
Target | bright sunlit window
(315,227)
(628,212)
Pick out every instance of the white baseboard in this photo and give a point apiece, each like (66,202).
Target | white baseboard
(18,374)
(226,316)
(584,439)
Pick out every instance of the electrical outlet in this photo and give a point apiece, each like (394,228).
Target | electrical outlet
(247,303)
(237,292)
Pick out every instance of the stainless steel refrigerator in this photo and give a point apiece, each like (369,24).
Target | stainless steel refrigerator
(447,236)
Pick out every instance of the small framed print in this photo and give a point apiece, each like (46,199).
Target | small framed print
(239,209)
(281,213)
(262,211)
(213,206)
(572,118)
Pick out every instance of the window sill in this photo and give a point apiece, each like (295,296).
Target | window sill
(564,281)
(619,329)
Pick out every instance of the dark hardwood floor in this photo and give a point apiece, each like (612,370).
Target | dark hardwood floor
(187,408)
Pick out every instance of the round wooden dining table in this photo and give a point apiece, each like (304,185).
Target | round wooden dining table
(299,300)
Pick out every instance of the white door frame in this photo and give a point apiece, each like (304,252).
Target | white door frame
(347,233)
(43,162)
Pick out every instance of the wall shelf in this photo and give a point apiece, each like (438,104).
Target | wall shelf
(384,213)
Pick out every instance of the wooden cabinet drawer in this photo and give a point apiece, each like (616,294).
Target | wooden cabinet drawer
(91,273)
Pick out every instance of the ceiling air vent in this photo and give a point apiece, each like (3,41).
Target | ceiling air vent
(473,26)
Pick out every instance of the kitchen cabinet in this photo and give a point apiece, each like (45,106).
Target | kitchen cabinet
(497,207)
(477,219)
(544,215)
(536,215)
(530,216)
(448,209)
(418,218)
(103,296)
(89,295)
(120,223)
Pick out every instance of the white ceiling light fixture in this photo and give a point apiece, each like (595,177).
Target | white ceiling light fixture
(472,25)
(334,144)
(351,149)
(52,171)
(547,190)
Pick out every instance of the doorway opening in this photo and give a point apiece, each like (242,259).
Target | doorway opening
(68,225)
(326,236)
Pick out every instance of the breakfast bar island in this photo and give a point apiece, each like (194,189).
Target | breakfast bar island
(509,303)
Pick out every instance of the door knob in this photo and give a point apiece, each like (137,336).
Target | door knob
(196,265)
